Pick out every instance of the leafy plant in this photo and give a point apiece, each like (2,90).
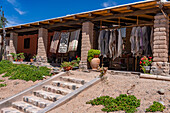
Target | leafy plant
(91,54)
(2,80)
(21,56)
(23,71)
(3,85)
(122,102)
(155,107)
(65,64)
(145,61)
(74,63)
(14,56)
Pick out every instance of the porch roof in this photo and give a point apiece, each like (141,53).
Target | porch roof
(127,14)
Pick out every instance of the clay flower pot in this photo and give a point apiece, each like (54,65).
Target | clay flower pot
(31,60)
(96,56)
(95,63)
(67,68)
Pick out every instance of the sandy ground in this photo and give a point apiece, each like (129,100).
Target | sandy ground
(114,85)
(14,86)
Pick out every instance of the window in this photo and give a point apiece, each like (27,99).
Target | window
(27,43)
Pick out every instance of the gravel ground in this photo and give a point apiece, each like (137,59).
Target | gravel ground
(114,85)
(14,86)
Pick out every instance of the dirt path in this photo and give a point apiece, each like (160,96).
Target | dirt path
(14,86)
(143,89)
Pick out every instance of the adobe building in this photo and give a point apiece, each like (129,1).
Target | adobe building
(35,38)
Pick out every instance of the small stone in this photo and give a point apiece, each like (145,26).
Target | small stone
(161,102)
(161,91)
(16,83)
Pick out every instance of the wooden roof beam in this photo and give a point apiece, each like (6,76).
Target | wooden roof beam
(113,12)
(132,8)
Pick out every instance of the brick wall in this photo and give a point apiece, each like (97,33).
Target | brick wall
(160,45)
(42,45)
(13,42)
(87,42)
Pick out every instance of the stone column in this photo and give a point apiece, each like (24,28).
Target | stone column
(87,43)
(42,45)
(13,42)
(160,65)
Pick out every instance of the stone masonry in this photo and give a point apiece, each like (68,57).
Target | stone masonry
(160,64)
(13,42)
(87,43)
(42,45)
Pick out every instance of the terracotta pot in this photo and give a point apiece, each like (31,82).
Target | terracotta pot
(31,60)
(96,56)
(67,68)
(95,63)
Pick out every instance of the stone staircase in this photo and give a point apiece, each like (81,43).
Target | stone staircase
(46,96)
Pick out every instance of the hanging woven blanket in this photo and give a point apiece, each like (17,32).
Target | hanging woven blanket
(64,42)
(55,41)
(74,40)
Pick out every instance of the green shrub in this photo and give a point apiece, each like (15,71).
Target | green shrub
(91,54)
(123,102)
(155,107)
(23,71)
(2,80)
(3,85)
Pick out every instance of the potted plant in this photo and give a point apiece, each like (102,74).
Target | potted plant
(14,56)
(34,58)
(66,66)
(145,64)
(93,58)
(21,57)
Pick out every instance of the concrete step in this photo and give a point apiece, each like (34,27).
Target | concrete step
(36,101)
(25,107)
(47,95)
(57,90)
(68,85)
(73,80)
(10,110)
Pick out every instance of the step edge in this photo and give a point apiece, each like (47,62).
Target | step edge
(70,95)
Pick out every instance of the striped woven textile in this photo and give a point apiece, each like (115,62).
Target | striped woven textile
(74,40)
(64,42)
(55,41)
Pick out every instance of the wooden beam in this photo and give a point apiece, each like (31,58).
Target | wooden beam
(134,13)
(132,8)
(112,12)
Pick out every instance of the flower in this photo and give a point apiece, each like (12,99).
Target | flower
(150,57)
(76,56)
(144,62)
(140,62)
(149,60)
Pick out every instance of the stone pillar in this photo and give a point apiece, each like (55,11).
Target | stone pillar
(87,43)
(42,45)
(13,42)
(160,65)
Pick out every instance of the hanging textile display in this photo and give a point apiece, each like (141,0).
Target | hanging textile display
(123,32)
(151,39)
(120,43)
(137,39)
(132,40)
(64,42)
(55,41)
(74,40)
(104,42)
(112,45)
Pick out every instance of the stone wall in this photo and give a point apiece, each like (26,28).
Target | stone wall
(87,43)
(13,42)
(42,45)
(160,64)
